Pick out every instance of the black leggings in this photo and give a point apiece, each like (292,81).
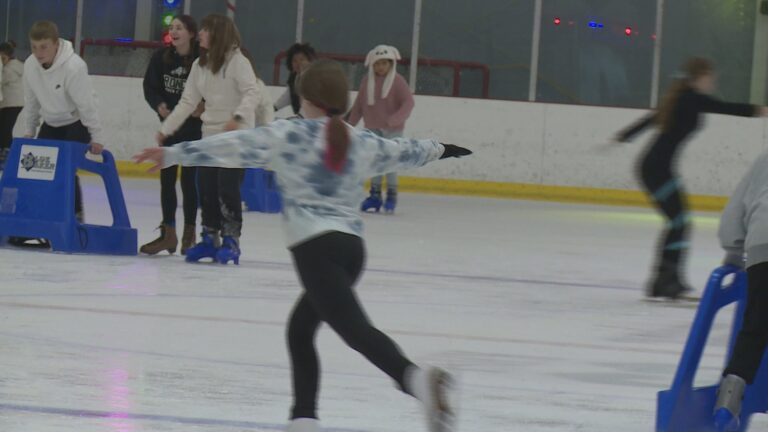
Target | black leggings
(328,267)
(220,199)
(7,120)
(168,198)
(71,132)
(753,337)
(666,192)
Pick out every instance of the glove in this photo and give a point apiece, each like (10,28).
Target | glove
(454,151)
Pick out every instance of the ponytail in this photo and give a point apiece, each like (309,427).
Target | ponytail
(337,142)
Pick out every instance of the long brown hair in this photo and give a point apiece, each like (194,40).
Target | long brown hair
(224,37)
(325,85)
(692,70)
(194,49)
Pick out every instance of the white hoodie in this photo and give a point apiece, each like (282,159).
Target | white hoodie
(12,86)
(61,94)
(233,90)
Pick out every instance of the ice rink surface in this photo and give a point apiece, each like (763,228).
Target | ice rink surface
(536,306)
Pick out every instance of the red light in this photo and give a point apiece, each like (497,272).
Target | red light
(556,21)
(628,31)
(167,38)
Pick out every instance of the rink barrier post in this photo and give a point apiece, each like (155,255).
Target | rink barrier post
(684,408)
(37,198)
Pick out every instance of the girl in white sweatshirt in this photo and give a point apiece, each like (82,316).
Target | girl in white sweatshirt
(224,78)
(11,95)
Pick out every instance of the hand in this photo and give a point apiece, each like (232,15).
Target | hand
(160,138)
(153,154)
(163,110)
(452,150)
(232,125)
(96,148)
(199,110)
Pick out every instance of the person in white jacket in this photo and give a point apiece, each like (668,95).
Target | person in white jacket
(743,235)
(224,78)
(11,95)
(58,91)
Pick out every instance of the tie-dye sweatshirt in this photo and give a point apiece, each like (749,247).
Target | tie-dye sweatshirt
(315,199)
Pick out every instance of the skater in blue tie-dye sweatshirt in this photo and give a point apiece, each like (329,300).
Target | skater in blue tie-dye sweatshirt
(321,163)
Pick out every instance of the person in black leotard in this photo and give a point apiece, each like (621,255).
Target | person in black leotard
(676,118)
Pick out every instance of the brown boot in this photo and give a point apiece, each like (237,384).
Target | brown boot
(188,238)
(166,241)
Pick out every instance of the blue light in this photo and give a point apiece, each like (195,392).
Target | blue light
(172,3)
(593,24)
(600,25)
(123,39)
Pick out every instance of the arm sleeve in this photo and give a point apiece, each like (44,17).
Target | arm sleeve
(30,114)
(190,98)
(248,87)
(80,90)
(244,148)
(733,231)
(392,155)
(153,81)
(635,128)
(404,96)
(716,106)
(356,113)
(1,78)
(284,100)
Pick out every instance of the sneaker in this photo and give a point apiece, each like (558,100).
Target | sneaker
(229,251)
(373,202)
(391,202)
(207,248)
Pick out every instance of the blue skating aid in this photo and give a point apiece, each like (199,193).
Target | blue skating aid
(725,421)
(684,408)
(37,198)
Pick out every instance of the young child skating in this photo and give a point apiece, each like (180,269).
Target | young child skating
(320,163)
(384,102)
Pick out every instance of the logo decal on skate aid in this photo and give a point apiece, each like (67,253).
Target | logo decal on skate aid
(37,162)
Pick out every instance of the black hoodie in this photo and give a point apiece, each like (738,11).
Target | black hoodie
(164,82)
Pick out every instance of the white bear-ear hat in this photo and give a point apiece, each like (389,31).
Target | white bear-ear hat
(381,52)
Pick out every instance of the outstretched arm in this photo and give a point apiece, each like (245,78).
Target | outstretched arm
(245,148)
(392,155)
(636,127)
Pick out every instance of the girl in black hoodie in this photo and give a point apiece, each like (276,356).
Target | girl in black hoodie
(677,117)
(163,85)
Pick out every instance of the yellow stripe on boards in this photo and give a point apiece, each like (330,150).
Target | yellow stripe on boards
(526,191)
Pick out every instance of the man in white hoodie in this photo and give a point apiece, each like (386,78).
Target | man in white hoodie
(57,89)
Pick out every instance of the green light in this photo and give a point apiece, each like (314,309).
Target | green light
(167,18)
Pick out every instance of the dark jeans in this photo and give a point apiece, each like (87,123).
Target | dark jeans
(72,132)
(329,266)
(222,208)
(753,337)
(8,118)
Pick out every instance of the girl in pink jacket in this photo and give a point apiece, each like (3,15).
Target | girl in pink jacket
(384,102)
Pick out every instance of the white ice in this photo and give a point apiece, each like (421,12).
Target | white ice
(536,307)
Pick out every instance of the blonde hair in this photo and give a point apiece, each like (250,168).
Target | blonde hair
(44,30)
